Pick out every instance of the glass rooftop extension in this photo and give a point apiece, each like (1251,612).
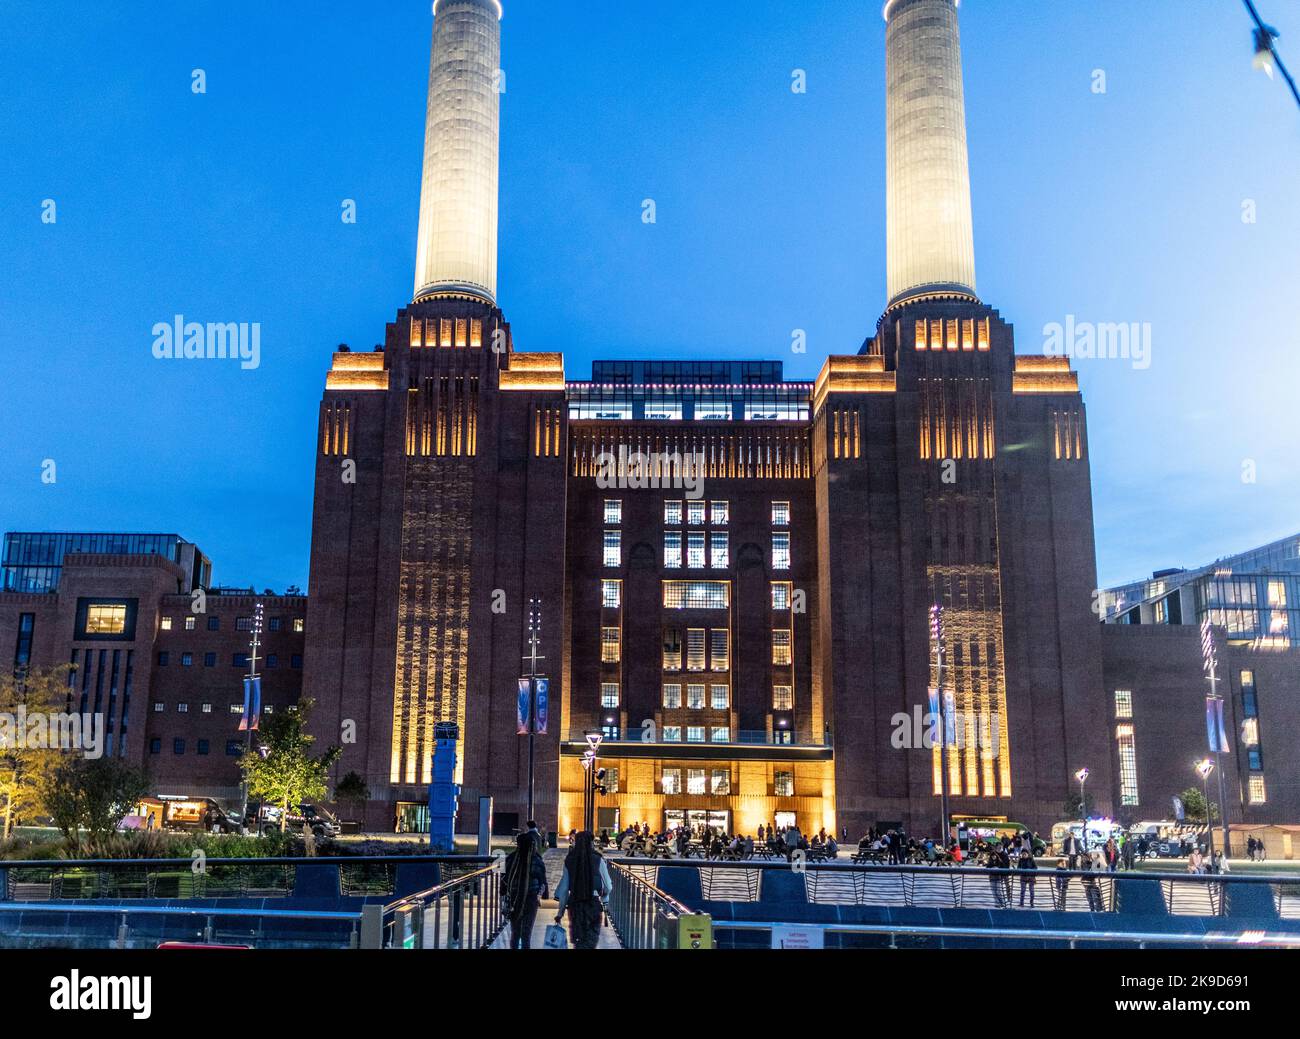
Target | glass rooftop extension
(691,391)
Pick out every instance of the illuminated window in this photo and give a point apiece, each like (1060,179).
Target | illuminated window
(107,619)
(672,734)
(1123,703)
(782,698)
(720,551)
(609,694)
(189,623)
(696,781)
(695,513)
(611,780)
(298,625)
(721,781)
(780,551)
(697,595)
(672,650)
(1258,794)
(166,624)
(1128,779)
(720,513)
(719,697)
(1248,679)
(673,550)
(695,649)
(783,784)
(672,513)
(1250,732)
(781,642)
(671,782)
(695,734)
(720,649)
(609,645)
(1277,595)
(695,697)
(672,697)
(613,512)
(781,595)
(159,707)
(613,548)
(695,550)
(780,513)
(720,734)
(611,594)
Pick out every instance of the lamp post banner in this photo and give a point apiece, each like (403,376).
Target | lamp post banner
(542,707)
(1214,728)
(525,703)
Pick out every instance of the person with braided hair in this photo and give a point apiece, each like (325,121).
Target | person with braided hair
(523,889)
(583,889)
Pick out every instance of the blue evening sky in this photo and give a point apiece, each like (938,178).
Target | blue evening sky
(1125,206)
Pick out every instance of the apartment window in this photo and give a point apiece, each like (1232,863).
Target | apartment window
(23,647)
(720,550)
(239,660)
(1250,732)
(720,649)
(613,512)
(672,514)
(721,783)
(1254,758)
(672,696)
(189,623)
(155,746)
(613,548)
(159,707)
(611,780)
(272,661)
(611,594)
(695,734)
(236,708)
(243,623)
(611,732)
(783,784)
(203,747)
(672,650)
(298,625)
(720,734)
(207,708)
(781,655)
(214,624)
(782,698)
(695,649)
(696,781)
(1123,703)
(609,694)
(182,708)
(187,660)
(1258,794)
(781,595)
(234,748)
(672,734)
(780,551)
(609,645)
(697,595)
(673,550)
(209,660)
(719,697)
(720,513)
(1128,779)
(106,619)
(275,623)
(695,697)
(178,745)
(695,513)
(780,513)
(671,782)
(295,661)
(695,550)
(166,624)
(163,658)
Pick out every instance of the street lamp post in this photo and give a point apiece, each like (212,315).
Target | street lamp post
(936,635)
(249,706)
(590,764)
(1219,737)
(534,640)
(1082,776)
(1205,766)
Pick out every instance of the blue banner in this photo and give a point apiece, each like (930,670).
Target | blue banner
(542,708)
(524,709)
(252,718)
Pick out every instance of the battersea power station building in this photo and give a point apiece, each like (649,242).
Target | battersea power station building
(733,572)
(748,586)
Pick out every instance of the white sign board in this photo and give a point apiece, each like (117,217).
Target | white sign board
(795,937)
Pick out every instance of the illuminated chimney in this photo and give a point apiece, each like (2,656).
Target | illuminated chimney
(456,253)
(931,245)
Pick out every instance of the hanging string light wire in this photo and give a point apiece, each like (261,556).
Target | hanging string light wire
(1266,56)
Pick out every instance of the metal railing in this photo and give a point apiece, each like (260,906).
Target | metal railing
(463,913)
(643,916)
(843,882)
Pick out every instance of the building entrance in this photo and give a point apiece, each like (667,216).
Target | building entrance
(697,819)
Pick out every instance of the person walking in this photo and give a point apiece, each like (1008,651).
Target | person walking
(582,890)
(524,888)
(1028,876)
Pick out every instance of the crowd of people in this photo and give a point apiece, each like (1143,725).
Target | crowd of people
(711,842)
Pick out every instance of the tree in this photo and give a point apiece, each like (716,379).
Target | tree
(26,762)
(92,794)
(1194,806)
(352,789)
(1076,807)
(280,769)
